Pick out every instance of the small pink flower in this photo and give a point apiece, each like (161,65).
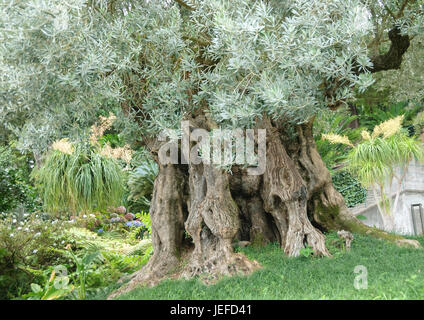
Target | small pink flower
(129,216)
(121,210)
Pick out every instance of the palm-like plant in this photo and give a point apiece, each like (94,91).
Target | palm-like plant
(83,176)
(336,123)
(82,181)
(382,159)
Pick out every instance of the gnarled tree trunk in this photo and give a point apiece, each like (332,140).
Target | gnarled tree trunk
(168,211)
(293,202)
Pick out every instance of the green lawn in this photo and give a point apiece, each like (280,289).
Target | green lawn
(393,273)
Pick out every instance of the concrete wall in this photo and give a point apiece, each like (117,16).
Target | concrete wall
(412,192)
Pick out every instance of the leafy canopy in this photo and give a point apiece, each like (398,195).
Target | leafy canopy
(63,62)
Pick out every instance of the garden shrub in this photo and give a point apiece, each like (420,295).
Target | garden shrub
(28,244)
(92,262)
(15,186)
(350,188)
(370,115)
(419,123)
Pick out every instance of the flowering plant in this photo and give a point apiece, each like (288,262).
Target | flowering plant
(28,243)
(139,228)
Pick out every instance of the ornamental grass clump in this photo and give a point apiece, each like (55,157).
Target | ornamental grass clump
(80,177)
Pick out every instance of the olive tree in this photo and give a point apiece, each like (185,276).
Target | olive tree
(213,64)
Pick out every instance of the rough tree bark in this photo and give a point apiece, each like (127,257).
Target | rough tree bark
(168,212)
(292,203)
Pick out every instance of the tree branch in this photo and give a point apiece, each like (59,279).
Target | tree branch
(200,42)
(392,59)
(402,9)
(389,11)
(183,4)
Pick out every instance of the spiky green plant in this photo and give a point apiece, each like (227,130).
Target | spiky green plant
(140,185)
(80,180)
(382,159)
(336,123)
(383,162)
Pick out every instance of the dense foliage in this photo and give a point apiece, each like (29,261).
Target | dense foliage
(65,61)
(16,188)
(140,184)
(419,123)
(28,243)
(337,123)
(81,181)
(350,188)
(370,115)
(34,248)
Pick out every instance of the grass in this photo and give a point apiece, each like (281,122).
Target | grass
(83,180)
(393,273)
